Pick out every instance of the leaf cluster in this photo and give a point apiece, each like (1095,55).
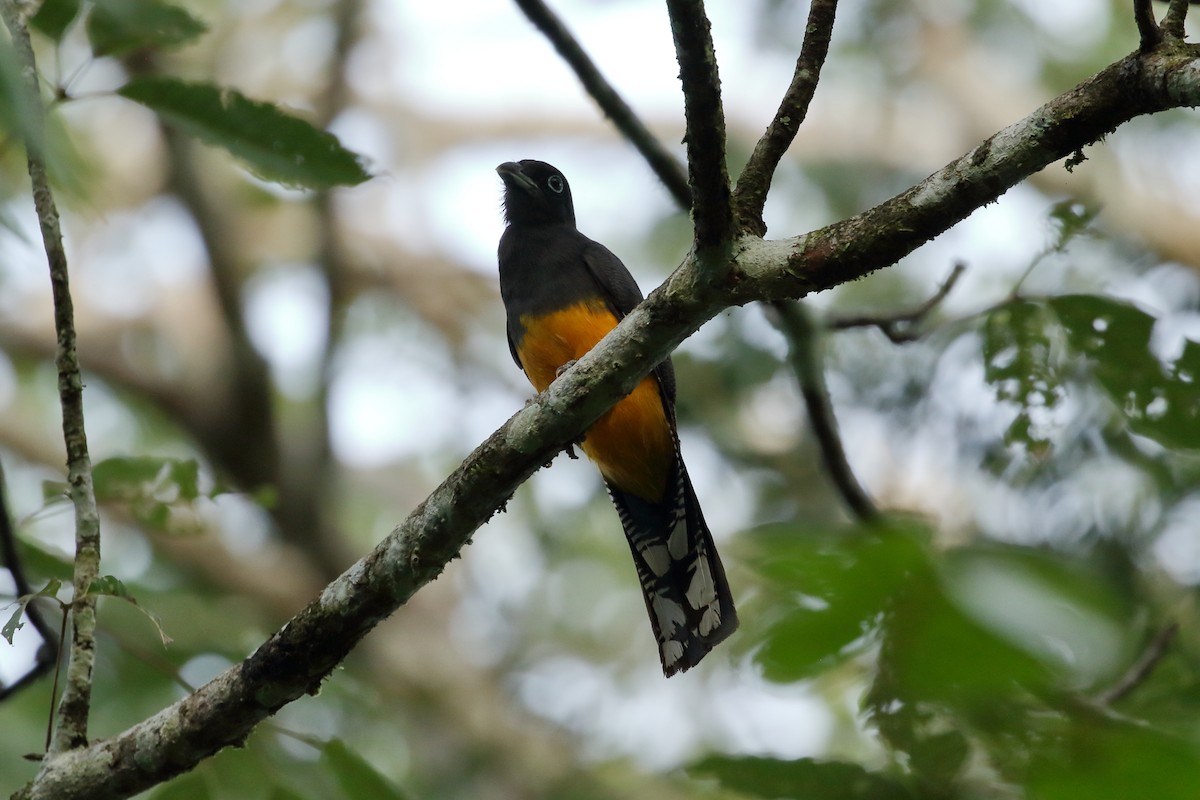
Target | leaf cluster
(984,662)
(273,143)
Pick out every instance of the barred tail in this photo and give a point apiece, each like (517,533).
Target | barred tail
(683,582)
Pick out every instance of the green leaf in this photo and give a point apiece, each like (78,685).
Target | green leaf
(151,486)
(41,559)
(123,478)
(266,496)
(274,144)
(1104,759)
(110,586)
(14,623)
(356,776)
(828,592)
(1161,401)
(936,651)
(803,778)
(185,474)
(1057,610)
(284,793)
(19,113)
(16,115)
(55,492)
(116,27)
(1072,218)
(1017,360)
(54,17)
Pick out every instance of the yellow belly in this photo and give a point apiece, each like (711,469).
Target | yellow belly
(632,443)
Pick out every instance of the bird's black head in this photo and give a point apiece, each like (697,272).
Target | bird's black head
(535,193)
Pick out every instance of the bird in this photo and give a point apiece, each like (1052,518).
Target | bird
(562,293)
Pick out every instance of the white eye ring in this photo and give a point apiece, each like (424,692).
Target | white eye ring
(555,183)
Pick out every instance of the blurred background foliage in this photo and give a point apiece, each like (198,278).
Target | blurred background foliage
(277,374)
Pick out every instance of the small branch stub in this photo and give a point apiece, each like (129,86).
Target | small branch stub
(1148,30)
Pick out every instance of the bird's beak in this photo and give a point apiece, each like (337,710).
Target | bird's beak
(511,173)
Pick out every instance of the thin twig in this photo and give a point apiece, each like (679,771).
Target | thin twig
(1148,30)
(708,176)
(47,653)
(795,320)
(755,181)
(1172,24)
(77,693)
(798,326)
(666,166)
(900,326)
(1141,669)
(62,642)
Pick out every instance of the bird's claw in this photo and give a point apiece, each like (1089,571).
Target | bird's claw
(570,447)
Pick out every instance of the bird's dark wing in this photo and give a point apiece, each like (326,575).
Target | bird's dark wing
(622,294)
(618,286)
(512,349)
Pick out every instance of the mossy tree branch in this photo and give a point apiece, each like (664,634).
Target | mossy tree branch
(1140,83)
(804,339)
(75,705)
(299,656)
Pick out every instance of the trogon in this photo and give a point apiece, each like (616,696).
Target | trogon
(562,293)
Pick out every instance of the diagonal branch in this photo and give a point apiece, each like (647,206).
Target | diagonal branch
(74,708)
(1137,84)
(797,324)
(712,213)
(300,655)
(1141,669)
(288,665)
(755,181)
(665,165)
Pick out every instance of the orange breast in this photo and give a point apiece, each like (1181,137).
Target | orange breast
(632,442)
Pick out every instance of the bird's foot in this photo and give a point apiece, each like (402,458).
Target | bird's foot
(570,447)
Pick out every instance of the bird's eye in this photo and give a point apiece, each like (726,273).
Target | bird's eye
(556,184)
